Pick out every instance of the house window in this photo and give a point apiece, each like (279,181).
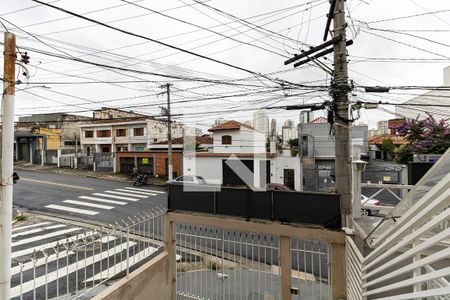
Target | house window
(138,131)
(89,134)
(226,139)
(121,132)
(122,148)
(71,143)
(103,133)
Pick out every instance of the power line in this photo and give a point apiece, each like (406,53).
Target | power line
(151,39)
(201,27)
(409,16)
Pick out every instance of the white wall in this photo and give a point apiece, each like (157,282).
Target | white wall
(277,166)
(210,168)
(242,141)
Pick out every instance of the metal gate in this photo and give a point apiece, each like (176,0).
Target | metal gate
(126,164)
(51,157)
(104,162)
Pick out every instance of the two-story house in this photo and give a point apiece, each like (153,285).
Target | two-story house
(233,141)
(124,135)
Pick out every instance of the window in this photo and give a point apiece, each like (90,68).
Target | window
(226,139)
(121,132)
(103,133)
(122,148)
(71,143)
(138,131)
(89,134)
(139,148)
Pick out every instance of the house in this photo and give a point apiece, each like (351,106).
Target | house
(317,152)
(238,148)
(116,135)
(46,133)
(376,141)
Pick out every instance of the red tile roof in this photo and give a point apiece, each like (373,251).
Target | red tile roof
(212,154)
(379,138)
(204,139)
(230,125)
(320,120)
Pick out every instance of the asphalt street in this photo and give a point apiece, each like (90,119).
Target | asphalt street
(91,199)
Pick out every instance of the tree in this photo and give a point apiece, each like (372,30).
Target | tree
(293,143)
(389,147)
(424,136)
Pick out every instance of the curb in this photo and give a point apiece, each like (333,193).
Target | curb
(80,175)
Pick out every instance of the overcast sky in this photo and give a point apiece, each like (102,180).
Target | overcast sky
(268,32)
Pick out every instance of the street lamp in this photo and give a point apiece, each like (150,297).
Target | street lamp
(359,166)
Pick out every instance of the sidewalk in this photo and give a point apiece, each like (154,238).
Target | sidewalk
(24,166)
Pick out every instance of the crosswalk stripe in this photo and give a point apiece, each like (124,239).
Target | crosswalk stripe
(42,261)
(115,197)
(126,194)
(40,281)
(51,244)
(117,268)
(30,226)
(103,200)
(136,192)
(37,230)
(71,209)
(43,237)
(145,190)
(82,203)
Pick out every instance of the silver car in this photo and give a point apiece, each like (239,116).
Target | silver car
(187,179)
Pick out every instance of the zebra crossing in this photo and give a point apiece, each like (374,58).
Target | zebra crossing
(98,202)
(52,259)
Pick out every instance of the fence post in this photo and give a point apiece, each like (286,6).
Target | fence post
(58,157)
(338,271)
(170,244)
(286,266)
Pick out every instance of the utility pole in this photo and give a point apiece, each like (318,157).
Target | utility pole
(6,187)
(340,89)
(169,134)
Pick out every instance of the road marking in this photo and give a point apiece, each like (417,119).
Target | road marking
(52,244)
(30,226)
(103,200)
(88,204)
(37,230)
(71,209)
(126,194)
(116,197)
(145,190)
(136,192)
(119,267)
(63,271)
(58,184)
(42,237)
(42,261)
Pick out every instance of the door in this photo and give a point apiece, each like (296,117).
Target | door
(289,178)
(24,152)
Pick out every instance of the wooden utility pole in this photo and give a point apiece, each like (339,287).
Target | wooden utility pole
(169,134)
(340,89)
(7,150)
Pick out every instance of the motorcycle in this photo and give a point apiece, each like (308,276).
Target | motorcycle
(141,178)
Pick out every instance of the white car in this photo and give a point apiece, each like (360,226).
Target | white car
(369,206)
(188,179)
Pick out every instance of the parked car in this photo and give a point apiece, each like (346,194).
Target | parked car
(277,187)
(187,179)
(369,206)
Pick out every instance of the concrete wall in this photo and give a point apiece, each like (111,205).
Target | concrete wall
(208,167)
(150,281)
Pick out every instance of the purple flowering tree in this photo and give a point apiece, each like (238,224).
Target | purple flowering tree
(424,136)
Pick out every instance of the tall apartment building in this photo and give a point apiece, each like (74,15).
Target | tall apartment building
(261,121)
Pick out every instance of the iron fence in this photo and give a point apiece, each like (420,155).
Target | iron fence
(104,161)
(72,267)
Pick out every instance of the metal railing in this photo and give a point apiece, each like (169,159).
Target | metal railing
(354,261)
(410,259)
(77,264)
(225,263)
